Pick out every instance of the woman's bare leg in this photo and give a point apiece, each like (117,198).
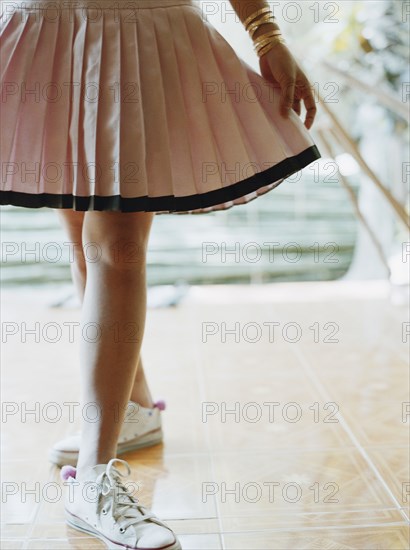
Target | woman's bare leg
(114,306)
(72,222)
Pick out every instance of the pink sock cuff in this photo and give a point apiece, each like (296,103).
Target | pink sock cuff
(67,471)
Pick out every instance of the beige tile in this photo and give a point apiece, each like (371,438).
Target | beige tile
(393,463)
(189,542)
(255,370)
(307,481)
(377,422)
(206,526)
(369,388)
(364,324)
(56,530)
(200,542)
(293,425)
(301,520)
(172,487)
(354,375)
(184,431)
(267,406)
(15,530)
(23,486)
(34,438)
(178,397)
(83,543)
(11,544)
(386,538)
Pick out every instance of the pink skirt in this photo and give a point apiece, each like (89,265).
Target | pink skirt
(136,105)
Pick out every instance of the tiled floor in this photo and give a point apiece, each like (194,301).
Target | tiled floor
(291,433)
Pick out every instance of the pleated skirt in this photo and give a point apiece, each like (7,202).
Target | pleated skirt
(137,105)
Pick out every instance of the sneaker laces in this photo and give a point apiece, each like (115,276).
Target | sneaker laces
(125,507)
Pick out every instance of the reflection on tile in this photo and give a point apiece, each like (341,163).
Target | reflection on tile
(184,431)
(172,486)
(169,484)
(383,538)
(393,463)
(302,481)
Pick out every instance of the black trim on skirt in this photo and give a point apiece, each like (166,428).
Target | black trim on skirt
(167,204)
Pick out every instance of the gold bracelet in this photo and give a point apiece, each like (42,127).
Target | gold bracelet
(262,46)
(255,15)
(273,41)
(255,25)
(266,17)
(266,36)
(270,45)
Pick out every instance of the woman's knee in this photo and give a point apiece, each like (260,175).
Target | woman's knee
(118,239)
(72,223)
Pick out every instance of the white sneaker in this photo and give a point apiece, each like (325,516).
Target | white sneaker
(99,504)
(141,428)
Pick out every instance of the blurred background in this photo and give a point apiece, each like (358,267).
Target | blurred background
(343,217)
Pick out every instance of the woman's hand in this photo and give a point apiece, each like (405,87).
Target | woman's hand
(279,67)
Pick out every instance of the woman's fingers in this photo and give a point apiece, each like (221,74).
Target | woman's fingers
(288,94)
(303,92)
(306,94)
(310,113)
(296,106)
(278,66)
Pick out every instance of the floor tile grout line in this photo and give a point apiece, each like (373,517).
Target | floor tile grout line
(344,424)
(202,394)
(61,522)
(285,528)
(319,528)
(343,510)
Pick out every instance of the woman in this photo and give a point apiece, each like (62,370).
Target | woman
(114,111)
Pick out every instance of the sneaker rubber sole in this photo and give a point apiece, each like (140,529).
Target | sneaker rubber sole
(77,523)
